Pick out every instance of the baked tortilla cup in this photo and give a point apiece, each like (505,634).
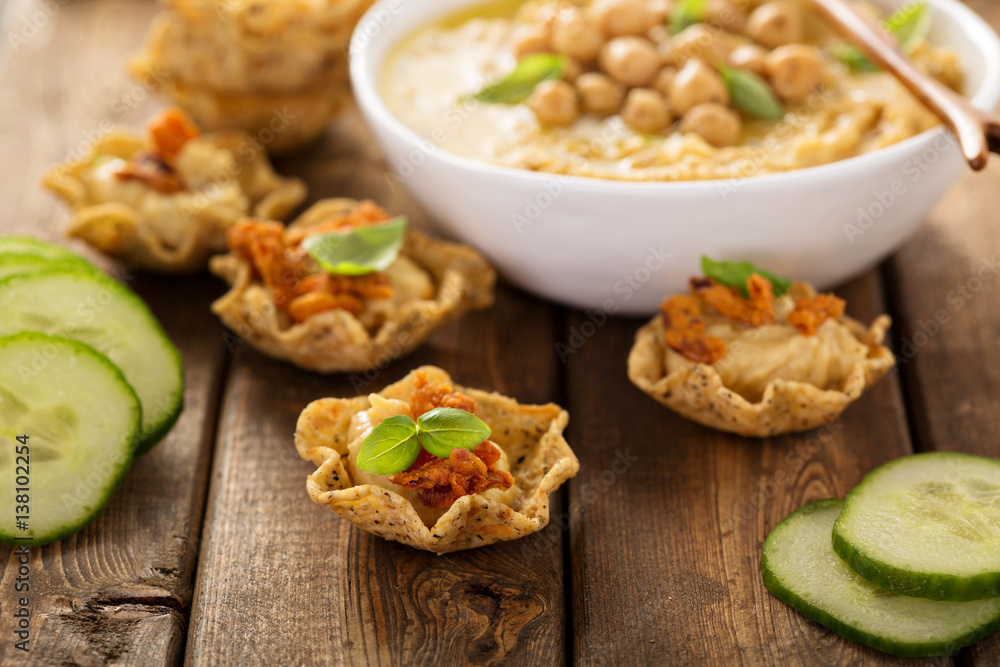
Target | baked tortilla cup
(174,233)
(531,436)
(697,391)
(274,68)
(337,341)
(282,121)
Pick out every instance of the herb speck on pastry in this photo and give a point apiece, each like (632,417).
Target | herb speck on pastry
(753,353)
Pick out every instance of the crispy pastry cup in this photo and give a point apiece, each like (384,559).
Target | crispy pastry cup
(120,231)
(699,394)
(335,341)
(275,69)
(532,436)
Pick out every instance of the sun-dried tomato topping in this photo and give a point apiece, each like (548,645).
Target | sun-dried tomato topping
(755,311)
(364,214)
(297,285)
(170,130)
(685,331)
(440,482)
(429,395)
(810,314)
(150,169)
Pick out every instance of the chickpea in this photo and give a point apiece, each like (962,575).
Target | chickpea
(633,61)
(658,34)
(695,84)
(623,17)
(528,39)
(554,103)
(795,70)
(726,14)
(600,94)
(750,57)
(717,124)
(573,35)
(572,70)
(664,79)
(699,41)
(775,24)
(646,111)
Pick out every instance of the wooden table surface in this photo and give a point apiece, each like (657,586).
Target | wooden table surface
(211,552)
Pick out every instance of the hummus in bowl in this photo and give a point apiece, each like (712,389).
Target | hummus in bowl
(617,243)
(638,107)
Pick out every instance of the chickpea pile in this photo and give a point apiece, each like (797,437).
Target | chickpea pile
(623,60)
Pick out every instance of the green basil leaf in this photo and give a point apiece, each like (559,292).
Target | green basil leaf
(854,59)
(908,23)
(686,13)
(736,274)
(391,447)
(530,71)
(752,95)
(358,251)
(444,429)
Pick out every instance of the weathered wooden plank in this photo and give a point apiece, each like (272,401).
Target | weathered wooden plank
(669,517)
(282,580)
(290,581)
(944,288)
(117,591)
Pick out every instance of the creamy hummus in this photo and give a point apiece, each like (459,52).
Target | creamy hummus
(428,78)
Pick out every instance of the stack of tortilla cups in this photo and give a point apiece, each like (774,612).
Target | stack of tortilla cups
(274,68)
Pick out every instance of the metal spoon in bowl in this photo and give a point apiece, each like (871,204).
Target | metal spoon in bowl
(977,132)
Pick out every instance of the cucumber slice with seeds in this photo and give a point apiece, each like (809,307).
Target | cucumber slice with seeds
(81,417)
(800,567)
(926,525)
(93,308)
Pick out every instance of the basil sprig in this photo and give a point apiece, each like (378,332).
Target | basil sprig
(908,23)
(686,13)
(391,447)
(736,274)
(530,71)
(395,443)
(752,95)
(358,251)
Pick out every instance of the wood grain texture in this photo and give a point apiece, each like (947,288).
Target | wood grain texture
(115,593)
(945,290)
(665,552)
(292,581)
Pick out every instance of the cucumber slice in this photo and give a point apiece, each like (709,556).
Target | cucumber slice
(16,264)
(81,417)
(926,525)
(13,244)
(800,568)
(101,312)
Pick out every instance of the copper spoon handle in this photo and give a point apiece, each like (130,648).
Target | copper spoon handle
(964,120)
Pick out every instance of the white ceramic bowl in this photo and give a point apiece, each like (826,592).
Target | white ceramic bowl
(620,246)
